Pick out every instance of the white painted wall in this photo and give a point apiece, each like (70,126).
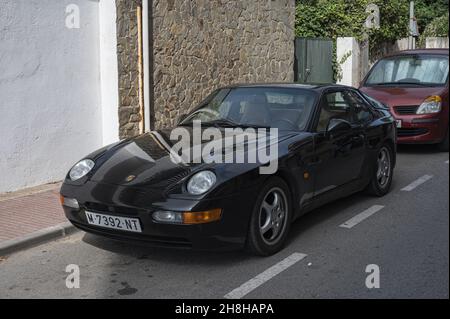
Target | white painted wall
(436,43)
(109,73)
(348,55)
(50,88)
(353,58)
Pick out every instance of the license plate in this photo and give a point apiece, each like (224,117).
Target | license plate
(398,123)
(114,222)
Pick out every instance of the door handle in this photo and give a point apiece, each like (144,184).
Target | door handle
(358,138)
(316,161)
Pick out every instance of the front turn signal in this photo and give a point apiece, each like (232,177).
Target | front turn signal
(191,218)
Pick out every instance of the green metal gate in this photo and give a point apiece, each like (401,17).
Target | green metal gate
(313,60)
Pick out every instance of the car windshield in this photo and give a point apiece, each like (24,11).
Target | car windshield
(427,70)
(282,108)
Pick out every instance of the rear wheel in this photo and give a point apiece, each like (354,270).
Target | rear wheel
(383,172)
(443,146)
(271,218)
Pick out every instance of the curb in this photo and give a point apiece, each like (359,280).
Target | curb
(36,238)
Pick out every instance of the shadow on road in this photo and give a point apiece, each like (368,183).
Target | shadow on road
(417,149)
(324,213)
(176,256)
(169,255)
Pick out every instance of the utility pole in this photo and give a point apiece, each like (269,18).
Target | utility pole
(413,32)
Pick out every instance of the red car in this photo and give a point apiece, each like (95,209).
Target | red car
(414,85)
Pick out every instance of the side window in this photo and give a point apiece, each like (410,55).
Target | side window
(361,110)
(334,106)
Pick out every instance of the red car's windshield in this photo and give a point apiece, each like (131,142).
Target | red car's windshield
(410,69)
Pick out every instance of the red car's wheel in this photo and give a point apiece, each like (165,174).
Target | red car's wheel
(443,146)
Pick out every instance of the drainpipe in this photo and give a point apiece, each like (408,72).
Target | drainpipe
(148,70)
(140,70)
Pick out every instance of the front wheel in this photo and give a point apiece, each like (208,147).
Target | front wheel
(381,181)
(271,218)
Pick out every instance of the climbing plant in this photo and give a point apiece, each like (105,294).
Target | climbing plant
(438,27)
(345,18)
(340,18)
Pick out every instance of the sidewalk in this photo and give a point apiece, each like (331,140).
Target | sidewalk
(30,217)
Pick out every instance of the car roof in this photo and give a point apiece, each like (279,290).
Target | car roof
(419,51)
(310,86)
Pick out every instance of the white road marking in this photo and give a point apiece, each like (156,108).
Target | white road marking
(417,183)
(362,216)
(446,162)
(265,276)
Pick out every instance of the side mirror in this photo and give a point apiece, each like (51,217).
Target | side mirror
(336,126)
(181,118)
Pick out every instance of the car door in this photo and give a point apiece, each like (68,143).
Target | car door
(339,157)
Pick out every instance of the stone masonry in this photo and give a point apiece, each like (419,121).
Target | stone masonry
(127,54)
(200,45)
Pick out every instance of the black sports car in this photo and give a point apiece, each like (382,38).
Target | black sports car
(331,141)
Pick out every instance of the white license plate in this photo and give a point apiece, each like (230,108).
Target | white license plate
(398,123)
(114,222)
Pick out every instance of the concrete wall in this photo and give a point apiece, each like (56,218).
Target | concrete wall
(50,114)
(388,48)
(352,58)
(436,42)
(402,44)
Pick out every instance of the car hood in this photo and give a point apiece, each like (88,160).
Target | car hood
(146,161)
(395,96)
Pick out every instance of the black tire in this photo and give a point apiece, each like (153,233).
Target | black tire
(443,146)
(260,243)
(379,186)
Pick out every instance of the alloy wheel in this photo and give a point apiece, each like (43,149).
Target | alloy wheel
(384,167)
(272,215)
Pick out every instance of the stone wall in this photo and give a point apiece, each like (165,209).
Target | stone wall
(127,54)
(200,45)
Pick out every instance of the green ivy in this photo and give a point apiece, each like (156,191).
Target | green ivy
(345,18)
(438,27)
(427,11)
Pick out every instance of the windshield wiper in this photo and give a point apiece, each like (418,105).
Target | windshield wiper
(220,123)
(402,83)
(228,123)
(254,126)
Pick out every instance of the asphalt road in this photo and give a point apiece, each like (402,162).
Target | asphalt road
(407,237)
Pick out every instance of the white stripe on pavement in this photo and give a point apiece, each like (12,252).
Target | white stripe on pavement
(446,162)
(265,276)
(362,216)
(417,183)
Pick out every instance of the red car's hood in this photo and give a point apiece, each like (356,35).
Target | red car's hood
(393,96)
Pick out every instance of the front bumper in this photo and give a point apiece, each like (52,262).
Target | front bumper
(421,129)
(228,233)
